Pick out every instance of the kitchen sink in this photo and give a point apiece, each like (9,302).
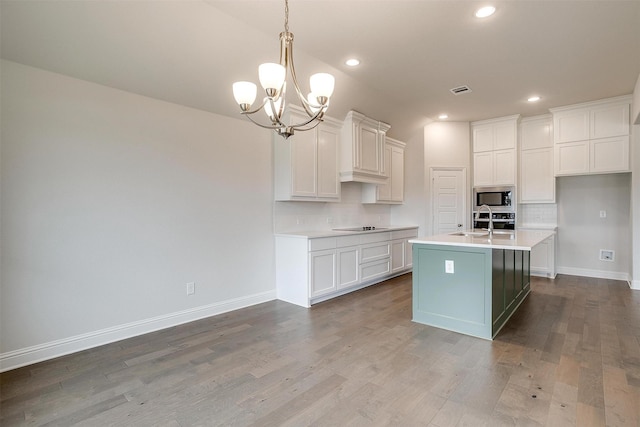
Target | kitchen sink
(497,234)
(470,233)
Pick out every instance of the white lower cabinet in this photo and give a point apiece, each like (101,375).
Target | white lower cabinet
(401,250)
(310,270)
(348,266)
(323,272)
(543,258)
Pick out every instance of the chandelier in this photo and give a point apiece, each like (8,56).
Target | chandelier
(273,80)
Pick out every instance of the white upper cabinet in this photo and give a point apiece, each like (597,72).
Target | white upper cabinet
(391,192)
(362,149)
(494,151)
(592,137)
(306,164)
(571,125)
(610,120)
(537,179)
(536,132)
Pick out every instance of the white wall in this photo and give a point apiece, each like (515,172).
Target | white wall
(349,212)
(447,144)
(111,203)
(581,231)
(635,195)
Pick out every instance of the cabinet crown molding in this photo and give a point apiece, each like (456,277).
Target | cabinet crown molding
(599,102)
(357,117)
(496,120)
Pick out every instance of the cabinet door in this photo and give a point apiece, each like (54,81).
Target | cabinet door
(368,151)
(610,120)
(408,254)
(397,174)
(322,272)
(482,138)
(571,125)
(537,180)
(328,180)
(610,154)
(540,257)
(504,135)
(483,168)
(303,164)
(571,158)
(384,190)
(348,266)
(504,167)
(536,134)
(397,255)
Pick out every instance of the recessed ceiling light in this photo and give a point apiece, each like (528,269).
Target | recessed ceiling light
(534,99)
(483,12)
(352,62)
(443,116)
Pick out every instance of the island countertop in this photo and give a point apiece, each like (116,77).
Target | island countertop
(522,240)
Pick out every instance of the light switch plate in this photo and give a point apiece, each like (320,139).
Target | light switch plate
(448,266)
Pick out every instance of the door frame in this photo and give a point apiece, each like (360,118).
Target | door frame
(465,195)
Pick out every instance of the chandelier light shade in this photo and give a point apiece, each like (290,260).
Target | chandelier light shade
(273,79)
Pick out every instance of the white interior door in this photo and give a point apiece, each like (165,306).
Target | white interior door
(448,199)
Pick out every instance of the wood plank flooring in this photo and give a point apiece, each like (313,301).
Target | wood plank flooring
(569,357)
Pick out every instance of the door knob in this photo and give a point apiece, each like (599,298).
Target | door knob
(459,225)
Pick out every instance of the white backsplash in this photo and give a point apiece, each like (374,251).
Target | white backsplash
(542,214)
(349,212)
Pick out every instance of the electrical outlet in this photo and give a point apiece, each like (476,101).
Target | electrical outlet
(603,214)
(329,220)
(448,266)
(191,288)
(606,255)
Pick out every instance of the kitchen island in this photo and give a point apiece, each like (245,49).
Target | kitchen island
(472,282)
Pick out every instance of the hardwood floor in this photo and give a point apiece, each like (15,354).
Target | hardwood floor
(569,357)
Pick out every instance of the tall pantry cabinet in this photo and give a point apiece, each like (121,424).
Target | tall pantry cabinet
(494,151)
(537,179)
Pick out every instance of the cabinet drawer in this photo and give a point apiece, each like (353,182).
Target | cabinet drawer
(322,243)
(374,237)
(375,269)
(375,251)
(343,242)
(404,234)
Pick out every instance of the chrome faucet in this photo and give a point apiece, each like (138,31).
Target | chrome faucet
(490,217)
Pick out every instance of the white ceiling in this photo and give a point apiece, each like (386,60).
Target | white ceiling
(190,51)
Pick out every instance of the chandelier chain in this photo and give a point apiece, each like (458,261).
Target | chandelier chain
(286,16)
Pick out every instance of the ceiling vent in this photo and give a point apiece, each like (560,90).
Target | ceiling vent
(460,90)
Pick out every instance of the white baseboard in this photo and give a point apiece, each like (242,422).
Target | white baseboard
(634,284)
(599,274)
(38,353)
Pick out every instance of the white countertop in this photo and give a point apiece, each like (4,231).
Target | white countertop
(522,240)
(313,234)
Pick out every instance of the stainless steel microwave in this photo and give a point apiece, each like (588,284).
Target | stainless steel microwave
(499,199)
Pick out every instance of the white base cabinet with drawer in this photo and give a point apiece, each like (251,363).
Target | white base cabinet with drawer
(310,270)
